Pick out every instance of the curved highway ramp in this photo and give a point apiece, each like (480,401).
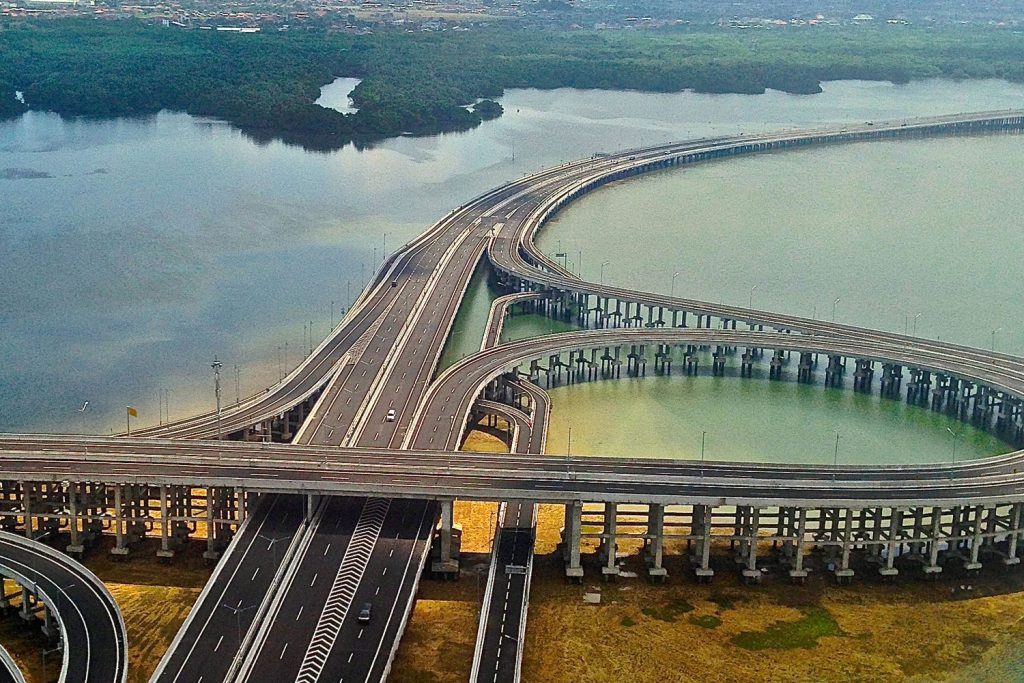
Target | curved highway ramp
(93,639)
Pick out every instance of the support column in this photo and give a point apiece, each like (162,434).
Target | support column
(165,550)
(976,539)
(76,547)
(571,540)
(211,534)
(120,547)
(895,532)
(1011,547)
(609,570)
(447,543)
(751,574)
(932,569)
(798,574)
(702,520)
(656,542)
(843,573)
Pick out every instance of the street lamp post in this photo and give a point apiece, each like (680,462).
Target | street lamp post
(998,329)
(956,435)
(673,290)
(237,611)
(216,390)
(834,304)
(568,451)
(273,544)
(703,437)
(750,302)
(915,323)
(835,458)
(602,270)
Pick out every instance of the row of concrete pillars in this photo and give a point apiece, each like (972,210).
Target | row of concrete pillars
(887,538)
(129,512)
(983,406)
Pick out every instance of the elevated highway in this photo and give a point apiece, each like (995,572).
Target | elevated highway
(382,358)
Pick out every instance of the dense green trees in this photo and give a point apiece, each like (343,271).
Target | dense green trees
(428,82)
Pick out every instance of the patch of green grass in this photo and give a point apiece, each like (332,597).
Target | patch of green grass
(724,600)
(802,634)
(669,611)
(708,621)
(628,621)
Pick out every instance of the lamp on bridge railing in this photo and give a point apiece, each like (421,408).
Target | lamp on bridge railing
(998,329)
(602,270)
(672,290)
(750,301)
(915,323)
(834,304)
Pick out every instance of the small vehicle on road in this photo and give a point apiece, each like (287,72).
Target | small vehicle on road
(390,417)
(364,613)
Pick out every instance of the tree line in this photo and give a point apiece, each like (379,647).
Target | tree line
(423,83)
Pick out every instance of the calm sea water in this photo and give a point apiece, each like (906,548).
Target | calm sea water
(134,250)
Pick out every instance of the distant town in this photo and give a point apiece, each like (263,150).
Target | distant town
(354,16)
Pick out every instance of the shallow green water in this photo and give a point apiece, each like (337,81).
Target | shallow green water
(752,420)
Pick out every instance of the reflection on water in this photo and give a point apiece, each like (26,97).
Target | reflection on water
(133,250)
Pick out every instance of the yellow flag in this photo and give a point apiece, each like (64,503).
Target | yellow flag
(133,412)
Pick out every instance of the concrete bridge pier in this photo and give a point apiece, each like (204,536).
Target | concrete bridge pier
(805,370)
(654,542)
(747,363)
(892,378)
(691,361)
(447,543)
(750,526)
(76,547)
(775,366)
(919,387)
(663,360)
(932,568)
(702,524)
(571,534)
(798,574)
(976,518)
(863,375)
(1014,535)
(834,371)
(889,571)
(718,362)
(608,547)
(843,573)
